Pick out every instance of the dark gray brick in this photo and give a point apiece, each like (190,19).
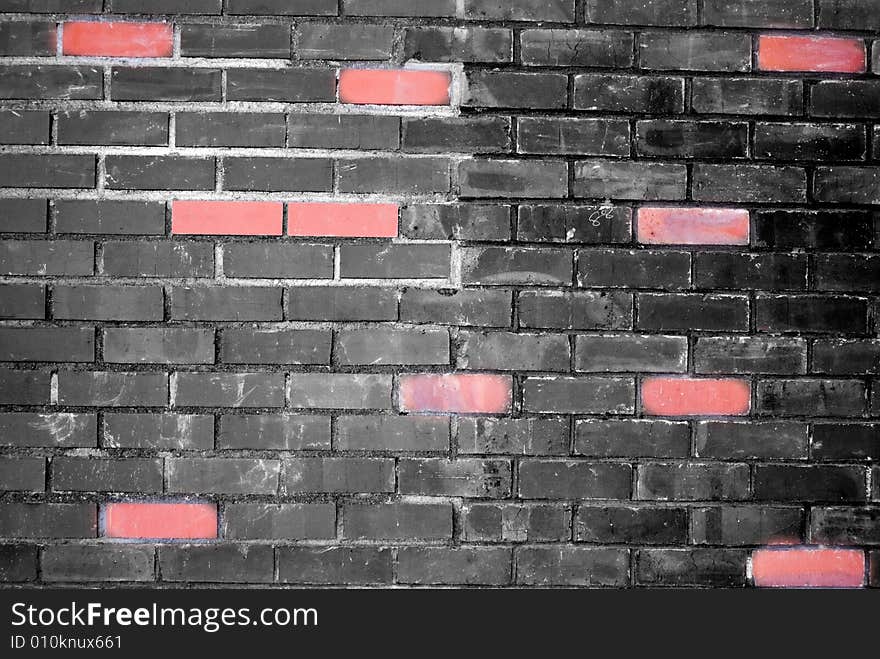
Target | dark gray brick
(98,563)
(405,176)
(490,222)
(154,83)
(505,89)
(273,260)
(749,354)
(224,563)
(159,173)
(746,525)
(489,308)
(112,389)
(48,520)
(759,13)
(395,261)
(24,387)
(113,128)
(292,85)
(622,438)
(523,436)
(695,51)
(253,129)
(235,303)
(47,344)
(25,215)
(607,179)
(23,474)
(42,257)
(463,477)
(23,126)
(25,170)
(466,135)
(459,44)
(391,346)
(354,41)
(572,566)
(582,310)
(158,259)
(338,475)
(278,174)
(22,301)
(235,40)
(462,565)
(51,82)
(283,432)
(647,12)
(692,481)
(249,346)
(511,351)
(107,302)
(627,93)
(515,522)
(728,440)
(594,48)
(558,223)
(500,266)
(573,479)
(639,525)
(651,353)
(346,303)
(24,429)
(292,521)
(392,433)
(349,565)
(340,391)
(140,475)
(229,389)
(158,431)
(222,476)
(691,567)
(345,131)
(83,216)
(748,96)
(27,39)
(398,521)
(579,395)
(158,345)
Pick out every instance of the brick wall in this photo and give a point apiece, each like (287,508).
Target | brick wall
(483,292)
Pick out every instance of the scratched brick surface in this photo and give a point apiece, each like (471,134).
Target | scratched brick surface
(524,293)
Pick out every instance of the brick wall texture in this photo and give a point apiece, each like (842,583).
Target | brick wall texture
(440,292)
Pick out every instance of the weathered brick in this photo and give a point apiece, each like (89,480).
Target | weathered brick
(582,310)
(63,430)
(223,563)
(281,432)
(23,474)
(247,346)
(776,440)
(691,567)
(621,438)
(692,481)
(229,389)
(746,525)
(459,307)
(464,477)
(158,431)
(392,433)
(291,521)
(516,522)
(112,389)
(398,521)
(98,563)
(523,436)
(572,566)
(391,346)
(631,524)
(574,479)
(348,565)
(141,475)
(222,476)
(462,565)
(579,395)
(338,475)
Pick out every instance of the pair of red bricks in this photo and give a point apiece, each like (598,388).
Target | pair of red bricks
(775,53)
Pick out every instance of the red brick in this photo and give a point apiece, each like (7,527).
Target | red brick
(456,393)
(693,226)
(809,53)
(394,87)
(342,220)
(117,39)
(808,567)
(695,396)
(155,521)
(227,218)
